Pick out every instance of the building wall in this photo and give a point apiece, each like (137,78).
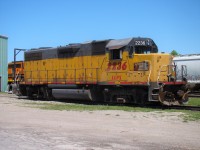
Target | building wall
(3,63)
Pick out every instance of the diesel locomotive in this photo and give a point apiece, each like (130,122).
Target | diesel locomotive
(124,71)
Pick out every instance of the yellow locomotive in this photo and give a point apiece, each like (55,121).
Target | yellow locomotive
(127,71)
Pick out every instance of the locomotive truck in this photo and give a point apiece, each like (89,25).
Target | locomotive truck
(124,71)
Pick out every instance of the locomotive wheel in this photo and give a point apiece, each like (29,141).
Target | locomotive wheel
(22,90)
(29,91)
(47,94)
(169,98)
(142,97)
(96,95)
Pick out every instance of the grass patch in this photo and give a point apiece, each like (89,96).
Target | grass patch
(83,107)
(191,116)
(187,115)
(194,101)
(3,93)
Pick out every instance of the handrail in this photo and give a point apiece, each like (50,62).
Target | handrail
(17,76)
(160,72)
(148,80)
(169,73)
(103,62)
(128,62)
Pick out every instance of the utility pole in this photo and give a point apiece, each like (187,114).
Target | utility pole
(16,51)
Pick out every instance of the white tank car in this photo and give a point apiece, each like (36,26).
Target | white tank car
(192,63)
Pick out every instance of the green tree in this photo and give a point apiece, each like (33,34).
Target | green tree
(174,53)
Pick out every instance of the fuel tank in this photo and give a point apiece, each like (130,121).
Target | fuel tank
(77,94)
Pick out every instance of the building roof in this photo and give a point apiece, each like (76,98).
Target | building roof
(4,37)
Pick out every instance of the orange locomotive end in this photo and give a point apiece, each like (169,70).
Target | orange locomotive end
(19,73)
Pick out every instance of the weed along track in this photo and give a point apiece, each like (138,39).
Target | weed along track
(189,112)
(194,106)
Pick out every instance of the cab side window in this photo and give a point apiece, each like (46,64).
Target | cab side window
(115,54)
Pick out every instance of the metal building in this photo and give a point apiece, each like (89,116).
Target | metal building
(3,63)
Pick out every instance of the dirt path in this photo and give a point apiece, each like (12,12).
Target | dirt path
(32,128)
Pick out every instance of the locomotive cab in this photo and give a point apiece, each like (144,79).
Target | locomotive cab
(115,48)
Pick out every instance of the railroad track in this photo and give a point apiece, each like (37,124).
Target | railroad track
(194,95)
(155,106)
(192,108)
(158,106)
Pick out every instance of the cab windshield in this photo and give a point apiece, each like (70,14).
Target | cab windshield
(142,50)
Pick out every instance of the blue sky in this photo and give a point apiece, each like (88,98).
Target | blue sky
(172,24)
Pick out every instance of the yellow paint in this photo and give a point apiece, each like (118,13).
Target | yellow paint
(95,69)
